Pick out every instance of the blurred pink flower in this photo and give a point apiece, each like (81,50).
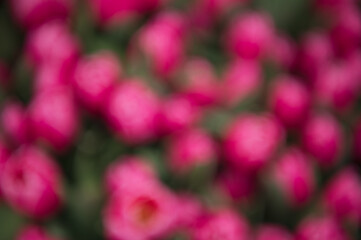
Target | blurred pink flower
(133,112)
(251,140)
(31,183)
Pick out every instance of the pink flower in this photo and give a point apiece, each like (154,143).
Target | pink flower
(241,79)
(49,76)
(322,137)
(161,40)
(345,33)
(14,122)
(31,183)
(109,12)
(236,184)
(315,52)
(199,82)
(204,13)
(294,176)
(94,78)
(320,228)
(189,211)
(250,35)
(283,53)
(4,156)
(141,209)
(54,117)
(133,112)
(290,101)
(223,224)
(32,232)
(177,114)
(33,13)
(52,43)
(336,87)
(251,141)
(272,232)
(343,195)
(190,149)
(127,170)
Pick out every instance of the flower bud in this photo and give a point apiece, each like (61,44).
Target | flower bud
(250,35)
(177,114)
(223,224)
(236,184)
(241,80)
(336,87)
(52,43)
(190,149)
(109,12)
(133,111)
(343,196)
(15,123)
(94,78)
(31,183)
(345,34)
(294,176)
(33,13)
(315,53)
(161,41)
(50,76)
(54,118)
(322,137)
(127,170)
(199,82)
(320,228)
(283,53)
(251,141)
(290,101)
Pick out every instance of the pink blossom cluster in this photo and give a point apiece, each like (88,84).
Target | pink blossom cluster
(292,136)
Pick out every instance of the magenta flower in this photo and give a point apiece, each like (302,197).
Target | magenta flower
(250,36)
(294,176)
(128,169)
(31,183)
(161,40)
(343,196)
(320,228)
(94,78)
(290,101)
(251,141)
(241,79)
(52,43)
(199,82)
(14,122)
(336,87)
(190,149)
(223,224)
(322,137)
(133,112)
(177,114)
(54,118)
(33,13)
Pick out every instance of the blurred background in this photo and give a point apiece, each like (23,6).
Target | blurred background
(232,99)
